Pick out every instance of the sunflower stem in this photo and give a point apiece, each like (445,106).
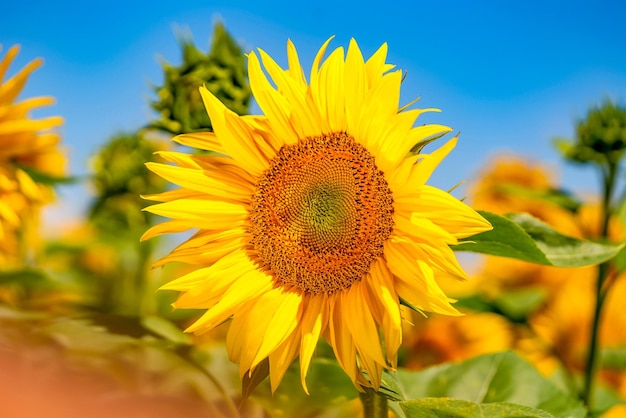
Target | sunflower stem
(374,404)
(591,367)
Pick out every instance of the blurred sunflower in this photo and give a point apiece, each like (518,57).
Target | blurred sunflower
(319,222)
(27,148)
(567,330)
(442,339)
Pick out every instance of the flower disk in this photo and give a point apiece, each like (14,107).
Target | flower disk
(320,214)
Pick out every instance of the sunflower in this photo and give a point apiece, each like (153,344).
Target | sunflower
(314,220)
(26,145)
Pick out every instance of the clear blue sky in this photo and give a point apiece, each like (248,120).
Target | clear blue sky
(509,75)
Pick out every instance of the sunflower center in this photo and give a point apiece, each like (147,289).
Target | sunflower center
(320,214)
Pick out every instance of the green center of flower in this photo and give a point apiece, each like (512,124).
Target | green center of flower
(320,214)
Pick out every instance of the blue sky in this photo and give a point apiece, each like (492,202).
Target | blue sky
(509,76)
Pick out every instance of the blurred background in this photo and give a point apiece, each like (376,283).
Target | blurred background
(509,77)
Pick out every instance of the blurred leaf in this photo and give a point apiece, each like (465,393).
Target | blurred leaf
(165,329)
(455,408)
(29,277)
(613,358)
(251,381)
(12,314)
(620,260)
(45,178)
(560,198)
(501,378)
(523,237)
(517,305)
(329,387)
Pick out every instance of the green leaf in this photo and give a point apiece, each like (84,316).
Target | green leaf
(523,237)
(251,381)
(557,197)
(519,304)
(45,178)
(27,276)
(614,358)
(165,329)
(455,408)
(491,378)
(515,305)
(620,260)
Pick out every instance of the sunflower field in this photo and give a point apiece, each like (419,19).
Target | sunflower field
(297,262)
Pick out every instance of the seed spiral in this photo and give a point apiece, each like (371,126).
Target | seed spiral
(320,214)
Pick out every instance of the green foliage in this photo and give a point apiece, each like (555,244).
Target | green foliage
(516,305)
(524,237)
(600,137)
(455,408)
(46,179)
(222,71)
(119,178)
(556,197)
(500,379)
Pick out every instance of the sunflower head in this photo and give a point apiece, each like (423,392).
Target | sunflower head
(28,151)
(314,220)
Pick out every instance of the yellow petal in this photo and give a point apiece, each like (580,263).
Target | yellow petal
(7,60)
(295,69)
(250,286)
(416,281)
(340,338)
(281,311)
(361,324)
(10,89)
(204,182)
(304,115)
(329,94)
(379,106)
(382,289)
(275,106)
(205,213)
(446,211)
(281,359)
(207,141)
(234,134)
(313,324)
(356,85)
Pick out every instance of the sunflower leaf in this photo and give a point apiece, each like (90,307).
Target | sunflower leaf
(557,197)
(523,237)
(250,381)
(44,178)
(501,379)
(445,407)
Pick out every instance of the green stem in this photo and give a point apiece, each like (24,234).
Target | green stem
(374,404)
(591,366)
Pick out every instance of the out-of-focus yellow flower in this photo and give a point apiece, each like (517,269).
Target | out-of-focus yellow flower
(319,222)
(617,411)
(565,322)
(26,145)
(440,339)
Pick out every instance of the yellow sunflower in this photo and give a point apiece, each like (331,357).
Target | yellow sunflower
(25,144)
(315,221)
